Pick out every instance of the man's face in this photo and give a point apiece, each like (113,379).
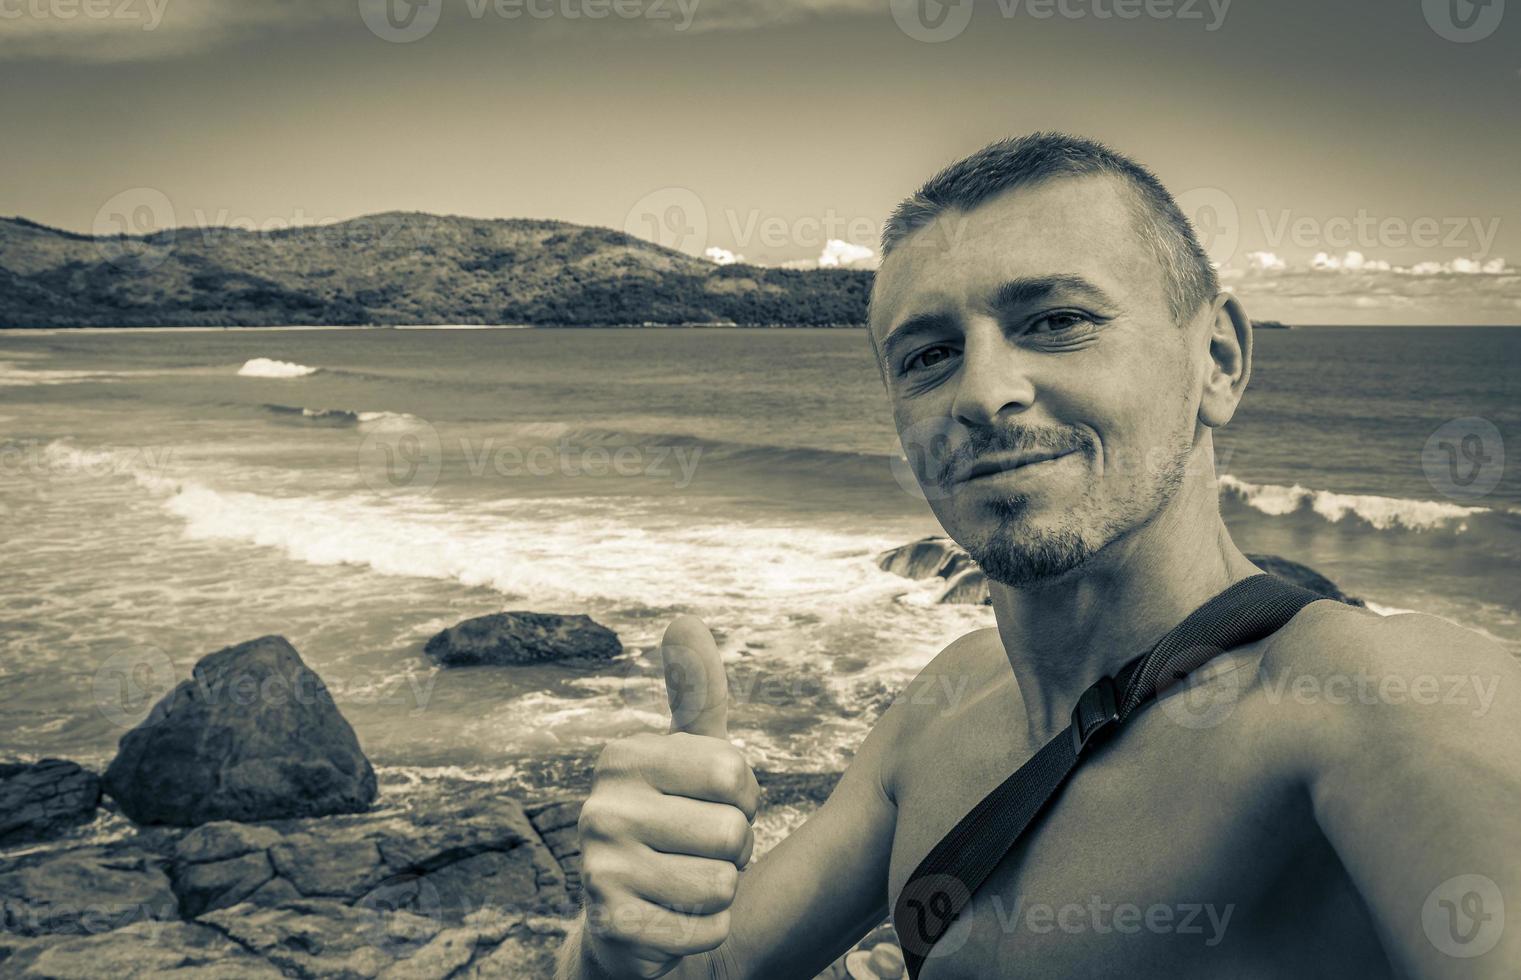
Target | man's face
(1045,398)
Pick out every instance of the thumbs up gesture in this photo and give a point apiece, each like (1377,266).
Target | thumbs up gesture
(666,829)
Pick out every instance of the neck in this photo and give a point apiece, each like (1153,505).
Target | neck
(1063,635)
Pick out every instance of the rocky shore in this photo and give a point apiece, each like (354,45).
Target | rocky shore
(260,844)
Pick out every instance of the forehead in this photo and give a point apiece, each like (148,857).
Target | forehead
(1083,226)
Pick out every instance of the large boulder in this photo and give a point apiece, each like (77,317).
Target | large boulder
(253,735)
(940,557)
(517,638)
(40,800)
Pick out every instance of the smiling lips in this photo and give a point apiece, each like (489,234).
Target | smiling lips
(994,465)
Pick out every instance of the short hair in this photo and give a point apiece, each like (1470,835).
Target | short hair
(1189,278)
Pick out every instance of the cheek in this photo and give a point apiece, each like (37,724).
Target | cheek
(1133,403)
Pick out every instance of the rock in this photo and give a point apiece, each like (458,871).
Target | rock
(219,884)
(83,892)
(253,735)
(557,823)
(38,801)
(224,839)
(1303,576)
(151,950)
(966,584)
(460,884)
(516,638)
(940,557)
(478,852)
(529,951)
(325,938)
(968,587)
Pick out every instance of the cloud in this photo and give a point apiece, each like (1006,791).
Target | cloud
(145,30)
(741,15)
(1355,289)
(1265,262)
(1459,266)
(137,30)
(1353,261)
(838,254)
(721,256)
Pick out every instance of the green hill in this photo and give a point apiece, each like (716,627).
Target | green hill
(399,268)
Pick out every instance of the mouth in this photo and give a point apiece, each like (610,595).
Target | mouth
(996,465)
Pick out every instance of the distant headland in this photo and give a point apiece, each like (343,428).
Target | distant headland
(401,268)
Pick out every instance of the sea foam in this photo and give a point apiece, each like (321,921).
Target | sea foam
(1383,513)
(263,367)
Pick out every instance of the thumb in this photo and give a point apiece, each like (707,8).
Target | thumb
(695,684)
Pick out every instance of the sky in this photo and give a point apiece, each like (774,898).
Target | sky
(1347,162)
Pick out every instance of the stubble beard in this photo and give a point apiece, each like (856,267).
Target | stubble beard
(1021,555)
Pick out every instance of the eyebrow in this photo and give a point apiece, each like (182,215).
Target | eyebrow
(1018,293)
(1008,298)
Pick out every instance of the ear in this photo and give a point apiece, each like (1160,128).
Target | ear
(1230,360)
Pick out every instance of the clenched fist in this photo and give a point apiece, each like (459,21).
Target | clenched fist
(666,829)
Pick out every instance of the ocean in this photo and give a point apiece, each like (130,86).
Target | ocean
(168,493)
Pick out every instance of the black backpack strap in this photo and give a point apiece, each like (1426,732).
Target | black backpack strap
(944,882)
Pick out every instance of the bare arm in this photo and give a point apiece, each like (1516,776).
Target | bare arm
(792,912)
(1410,742)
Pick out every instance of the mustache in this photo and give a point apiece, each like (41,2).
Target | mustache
(989,440)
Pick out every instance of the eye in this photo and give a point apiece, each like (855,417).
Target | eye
(928,357)
(1059,321)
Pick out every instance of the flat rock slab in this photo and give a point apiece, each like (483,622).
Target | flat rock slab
(85,891)
(40,800)
(482,852)
(142,951)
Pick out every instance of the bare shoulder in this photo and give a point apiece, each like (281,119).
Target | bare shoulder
(1342,682)
(965,671)
(1333,638)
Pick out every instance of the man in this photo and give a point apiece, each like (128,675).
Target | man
(1044,312)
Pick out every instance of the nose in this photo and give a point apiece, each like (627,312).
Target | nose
(994,378)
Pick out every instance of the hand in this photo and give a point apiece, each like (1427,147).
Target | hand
(666,829)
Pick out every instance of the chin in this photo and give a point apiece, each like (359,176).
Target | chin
(1021,556)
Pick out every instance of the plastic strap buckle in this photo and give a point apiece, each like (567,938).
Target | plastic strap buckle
(1095,711)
